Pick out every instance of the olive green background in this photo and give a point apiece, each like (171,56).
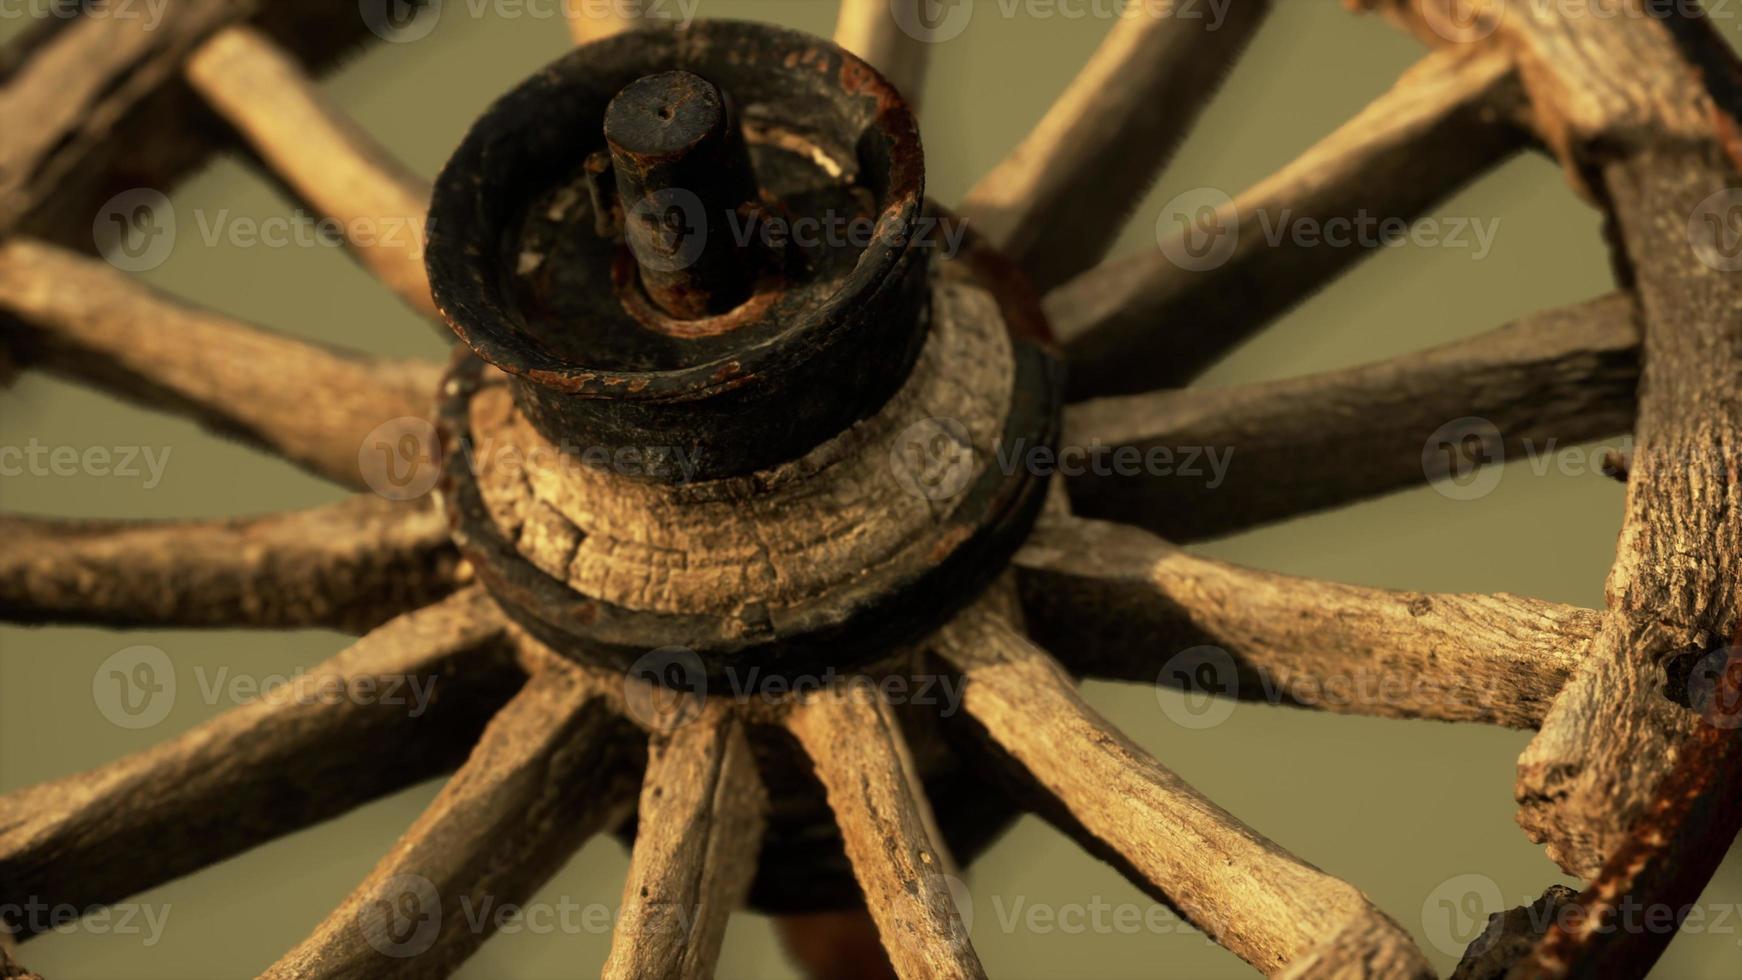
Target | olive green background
(1399,808)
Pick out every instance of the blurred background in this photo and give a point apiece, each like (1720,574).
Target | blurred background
(1418,814)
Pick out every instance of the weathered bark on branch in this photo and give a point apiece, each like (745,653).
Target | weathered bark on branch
(1277,913)
(869,29)
(1056,204)
(1111,601)
(311,404)
(550,771)
(324,156)
(701,817)
(348,566)
(400,705)
(1559,377)
(1145,322)
(855,743)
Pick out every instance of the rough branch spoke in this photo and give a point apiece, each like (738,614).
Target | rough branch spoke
(1115,602)
(1058,201)
(1161,317)
(400,705)
(348,566)
(323,155)
(869,29)
(852,738)
(313,405)
(1250,895)
(701,814)
(595,22)
(1563,376)
(550,771)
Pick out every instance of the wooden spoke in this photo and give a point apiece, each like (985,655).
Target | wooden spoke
(1058,202)
(347,566)
(1115,602)
(549,772)
(329,161)
(853,740)
(702,813)
(1159,318)
(595,22)
(1563,376)
(313,405)
(1279,914)
(400,705)
(869,29)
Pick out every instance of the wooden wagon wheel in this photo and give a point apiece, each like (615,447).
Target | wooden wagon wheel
(1632,785)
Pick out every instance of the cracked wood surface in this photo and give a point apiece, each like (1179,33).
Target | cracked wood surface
(702,815)
(348,566)
(1151,320)
(1111,601)
(550,771)
(1561,376)
(1274,911)
(869,29)
(1057,203)
(854,741)
(346,732)
(313,405)
(328,159)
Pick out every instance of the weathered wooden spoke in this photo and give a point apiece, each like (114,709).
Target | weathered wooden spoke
(1161,317)
(347,566)
(1279,914)
(313,405)
(402,704)
(330,162)
(871,30)
(701,819)
(854,741)
(550,771)
(1564,375)
(1058,201)
(1114,602)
